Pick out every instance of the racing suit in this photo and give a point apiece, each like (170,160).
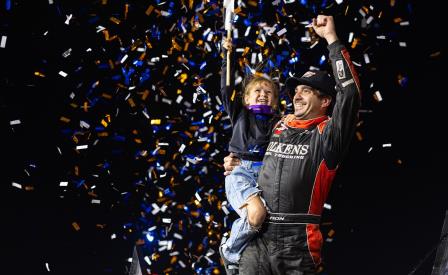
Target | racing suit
(298,168)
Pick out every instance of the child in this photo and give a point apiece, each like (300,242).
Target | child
(253,117)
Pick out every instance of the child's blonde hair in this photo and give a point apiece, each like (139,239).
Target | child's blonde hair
(249,83)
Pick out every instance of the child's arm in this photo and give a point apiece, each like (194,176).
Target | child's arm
(231,100)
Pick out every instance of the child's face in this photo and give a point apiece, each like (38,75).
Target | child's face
(260,93)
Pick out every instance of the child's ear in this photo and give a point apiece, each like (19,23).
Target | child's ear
(246,99)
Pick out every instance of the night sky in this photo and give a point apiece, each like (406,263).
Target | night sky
(388,201)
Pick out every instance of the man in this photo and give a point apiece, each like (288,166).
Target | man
(301,162)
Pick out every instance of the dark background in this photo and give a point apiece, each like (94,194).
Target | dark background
(388,215)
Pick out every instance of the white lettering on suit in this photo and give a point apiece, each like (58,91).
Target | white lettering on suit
(284,150)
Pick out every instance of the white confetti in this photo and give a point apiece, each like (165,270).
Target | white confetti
(182,148)
(366,58)
(81,147)
(378,96)
(253,58)
(281,32)
(152,228)
(350,37)
(67,53)
(147,260)
(124,59)
(3,41)
(165,13)
(14,122)
(246,33)
(17,185)
(69,17)
(225,210)
(84,124)
(197,196)
(167,100)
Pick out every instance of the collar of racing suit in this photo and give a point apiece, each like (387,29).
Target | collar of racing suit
(306,123)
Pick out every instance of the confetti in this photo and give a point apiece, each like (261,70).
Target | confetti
(15,122)
(62,73)
(377,96)
(17,185)
(3,41)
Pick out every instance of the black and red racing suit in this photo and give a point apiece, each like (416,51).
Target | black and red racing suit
(298,168)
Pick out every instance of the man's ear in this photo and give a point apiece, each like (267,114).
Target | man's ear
(325,102)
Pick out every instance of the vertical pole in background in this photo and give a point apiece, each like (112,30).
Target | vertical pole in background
(229,33)
(229,9)
(138,264)
(440,266)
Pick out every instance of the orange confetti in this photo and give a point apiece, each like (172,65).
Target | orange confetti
(39,74)
(355,43)
(29,188)
(111,64)
(64,119)
(104,123)
(140,242)
(145,94)
(149,10)
(106,96)
(131,102)
(126,10)
(76,226)
(397,20)
(155,121)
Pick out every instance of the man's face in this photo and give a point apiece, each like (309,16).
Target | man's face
(308,104)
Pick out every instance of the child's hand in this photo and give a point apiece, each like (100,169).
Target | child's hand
(288,118)
(227,44)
